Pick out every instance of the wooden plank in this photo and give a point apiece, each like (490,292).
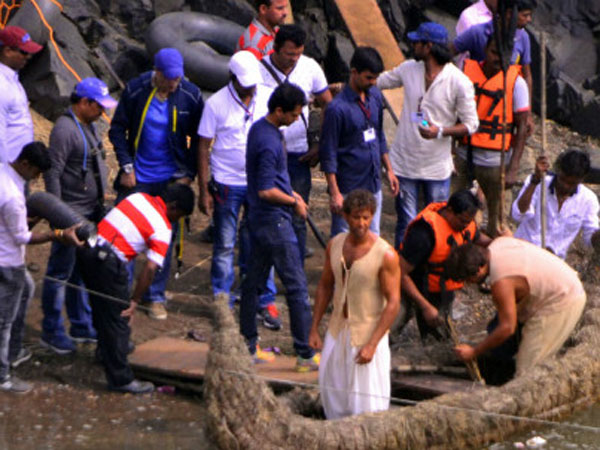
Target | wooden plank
(367,26)
(187,359)
(432,385)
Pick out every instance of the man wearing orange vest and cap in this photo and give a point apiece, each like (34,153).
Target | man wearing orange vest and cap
(427,243)
(479,157)
(258,37)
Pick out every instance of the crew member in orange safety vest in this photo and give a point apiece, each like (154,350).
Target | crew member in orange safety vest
(426,245)
(479,157)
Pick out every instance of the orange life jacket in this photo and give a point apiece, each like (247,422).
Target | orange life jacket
(489,98)
(445,239)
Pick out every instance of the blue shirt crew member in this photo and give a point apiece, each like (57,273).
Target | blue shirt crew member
(157,113)
(353,145)
(77,177)
(273,241)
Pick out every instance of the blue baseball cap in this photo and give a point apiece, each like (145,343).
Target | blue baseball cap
(96,90)
(170,62)
(429,32)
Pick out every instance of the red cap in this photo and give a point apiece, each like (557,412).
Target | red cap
(17,37)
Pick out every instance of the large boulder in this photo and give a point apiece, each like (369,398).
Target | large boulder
(317,42)
(337,64)
(238,11)
(136,14)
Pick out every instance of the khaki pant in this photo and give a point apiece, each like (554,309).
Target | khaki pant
(544,336)
(489,181)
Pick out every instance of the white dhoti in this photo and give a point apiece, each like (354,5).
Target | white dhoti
(349,388)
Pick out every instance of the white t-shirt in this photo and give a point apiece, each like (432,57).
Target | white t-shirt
(308,76)
(228,121)
(491,158)
(450,98)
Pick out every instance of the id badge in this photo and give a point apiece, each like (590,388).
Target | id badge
(369,134)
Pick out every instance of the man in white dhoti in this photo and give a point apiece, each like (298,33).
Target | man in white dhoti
(361,275)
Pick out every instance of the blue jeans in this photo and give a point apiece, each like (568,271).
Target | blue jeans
(156,292)
(407,200)
(274,243)
(62,265)
(16,290)
(339,225)
(228,201)
(300,179)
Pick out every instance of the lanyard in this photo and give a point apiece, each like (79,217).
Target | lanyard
(136,142)
(249,113)
(85,142)
(366,111)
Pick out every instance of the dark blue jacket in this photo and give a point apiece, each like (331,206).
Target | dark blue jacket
(186,101)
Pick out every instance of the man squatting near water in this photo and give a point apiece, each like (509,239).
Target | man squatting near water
(361,275)
(538,297)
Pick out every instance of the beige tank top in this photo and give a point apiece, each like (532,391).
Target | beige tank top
(553,284)
(361,289)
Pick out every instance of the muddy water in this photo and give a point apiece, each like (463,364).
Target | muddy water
(562,437)
(64,417)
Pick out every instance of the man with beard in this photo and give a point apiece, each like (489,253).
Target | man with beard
(436,97)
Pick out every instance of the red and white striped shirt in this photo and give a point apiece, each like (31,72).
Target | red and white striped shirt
(138,224)
(257,40)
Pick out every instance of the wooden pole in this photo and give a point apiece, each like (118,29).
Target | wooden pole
(472,366)
(543,152)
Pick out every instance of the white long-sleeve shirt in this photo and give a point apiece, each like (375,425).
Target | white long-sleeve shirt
(578,212)
(450,97)
(16,126)
(14,232)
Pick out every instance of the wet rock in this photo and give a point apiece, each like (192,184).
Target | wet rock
(314,22)
(166,6)
(339,54)
(585,121)
(394,17)
(136,14)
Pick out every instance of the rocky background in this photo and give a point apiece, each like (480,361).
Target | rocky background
(106,38)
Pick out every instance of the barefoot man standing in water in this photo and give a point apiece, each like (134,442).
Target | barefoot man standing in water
(362,275)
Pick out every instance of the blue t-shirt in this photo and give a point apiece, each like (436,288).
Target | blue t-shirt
(154,161)
(355,157)
(474,39)
(266,168)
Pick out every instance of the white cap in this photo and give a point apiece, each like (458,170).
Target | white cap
(244,66)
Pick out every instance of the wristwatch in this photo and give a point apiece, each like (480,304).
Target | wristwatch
(440,132)
(128,168)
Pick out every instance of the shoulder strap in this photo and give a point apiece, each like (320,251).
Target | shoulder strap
(271,71)
(279,81)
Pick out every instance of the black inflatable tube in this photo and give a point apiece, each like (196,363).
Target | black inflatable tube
(59,215)
(205,65)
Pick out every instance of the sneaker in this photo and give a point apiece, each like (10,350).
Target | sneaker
(84,337)
(14,384)
(24,355)
(157,311)
(60,344)
(262,356)
(134,387)
(270,317)
(308,364)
